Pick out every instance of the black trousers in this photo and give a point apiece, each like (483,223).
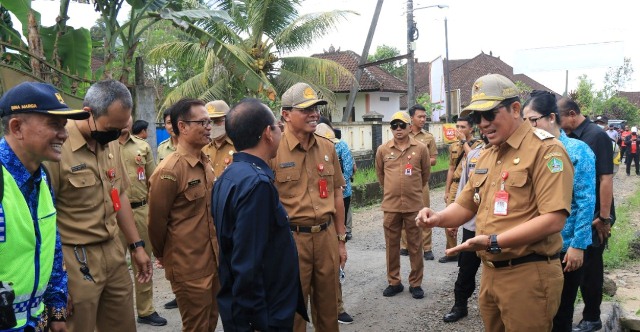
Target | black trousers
(592,279)
(563,320)
(468,264)
(634,158)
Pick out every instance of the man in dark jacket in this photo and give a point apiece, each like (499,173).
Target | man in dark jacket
(632,144)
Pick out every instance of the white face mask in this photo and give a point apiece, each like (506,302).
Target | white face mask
(217,131)
(601,126)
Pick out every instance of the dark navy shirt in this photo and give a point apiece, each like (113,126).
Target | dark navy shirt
(600,144)
(55,296)
(258,263)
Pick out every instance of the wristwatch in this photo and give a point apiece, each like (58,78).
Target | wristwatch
(135,245)
(342,237)
(494,248)
(606,221)
(462,141)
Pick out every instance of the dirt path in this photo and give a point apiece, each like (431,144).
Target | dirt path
(366,279)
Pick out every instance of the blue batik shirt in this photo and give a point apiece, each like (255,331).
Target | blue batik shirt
(342,149)
(577,230)
(55,296)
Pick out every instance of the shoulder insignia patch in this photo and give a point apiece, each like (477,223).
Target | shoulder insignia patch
(168,177)
(542,134)
(552,154)
(555,165)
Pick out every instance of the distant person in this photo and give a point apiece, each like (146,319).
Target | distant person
(220,151)
(418,116)
(33,118)
(167,147)
(139,129)
(259,276)
(623,144)
(542,112)
(403,168)
(633,152)
(181,229)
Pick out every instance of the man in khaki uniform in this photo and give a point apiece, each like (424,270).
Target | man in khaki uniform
(220,151)
(169,145)
(309,181)
(521,193)
(457,151)
(180,223)
(139,164)
(90,183)
(402,167)
(418,116)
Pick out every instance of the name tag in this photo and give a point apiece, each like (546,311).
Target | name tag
(287,164)
(193,182)
(78,167)
(481,171)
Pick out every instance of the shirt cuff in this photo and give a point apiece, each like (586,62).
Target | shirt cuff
(57,314)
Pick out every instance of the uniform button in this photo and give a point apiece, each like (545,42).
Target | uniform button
(499,162)
(316,207)
(493,184)
(288,178)
(310,190)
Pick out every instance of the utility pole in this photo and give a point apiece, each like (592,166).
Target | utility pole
(448,92)
(411,98)
(346,115)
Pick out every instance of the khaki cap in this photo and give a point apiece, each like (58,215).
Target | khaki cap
(325,131)
(301,95)
(488,91)
(217,108)
(402,116)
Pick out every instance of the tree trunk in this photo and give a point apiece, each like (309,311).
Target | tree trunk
(35,46)
(61,24)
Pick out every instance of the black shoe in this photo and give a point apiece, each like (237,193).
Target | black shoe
(392,290)
(416,292)
(447,259)
(404,252)
(171,304)
(154,319)
(455,314)
(349,236)
(588,326)
(428,256)
(345,318)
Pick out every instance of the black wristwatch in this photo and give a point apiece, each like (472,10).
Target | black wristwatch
(494,248)
(463,141)
(606,221)
(135,245)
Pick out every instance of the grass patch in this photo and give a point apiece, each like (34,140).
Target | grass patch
(622,232)
(364,176)
(442,162)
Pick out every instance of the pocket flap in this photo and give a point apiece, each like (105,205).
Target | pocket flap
(286,176)
(516,179)
(477,180)
(82,180)
(194,192)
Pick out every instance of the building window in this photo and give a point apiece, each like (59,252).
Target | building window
(384,98)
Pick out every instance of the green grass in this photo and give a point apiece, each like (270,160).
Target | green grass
(442,162)
(364,176)
(622,232)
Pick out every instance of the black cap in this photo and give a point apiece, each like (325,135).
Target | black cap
(34,97)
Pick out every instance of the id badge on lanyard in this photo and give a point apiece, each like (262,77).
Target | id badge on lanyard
(501,200)
(115,196)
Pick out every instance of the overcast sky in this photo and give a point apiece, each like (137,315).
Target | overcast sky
(503,27)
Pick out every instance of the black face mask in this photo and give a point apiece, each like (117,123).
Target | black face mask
(104,137)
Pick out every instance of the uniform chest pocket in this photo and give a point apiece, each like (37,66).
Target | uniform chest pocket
(477,180)
(328,170)
(82,180)
(288,183)
(193,199)
(517,185)
(193,193)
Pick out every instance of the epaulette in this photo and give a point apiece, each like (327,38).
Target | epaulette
(169,162)
(324,138)
(166,140)
(542,134)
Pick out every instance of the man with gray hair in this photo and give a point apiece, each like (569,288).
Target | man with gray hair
(90,183)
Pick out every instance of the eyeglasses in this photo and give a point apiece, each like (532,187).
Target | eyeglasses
(203,123)
(489,115)
(307,110)
(534,121)
(395,125)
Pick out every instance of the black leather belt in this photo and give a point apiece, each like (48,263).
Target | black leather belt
(521,260)
(310,229)
(135,205)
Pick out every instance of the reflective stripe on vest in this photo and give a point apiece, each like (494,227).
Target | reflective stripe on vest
(25,257)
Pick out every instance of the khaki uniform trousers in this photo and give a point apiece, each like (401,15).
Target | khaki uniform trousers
(197,303)
(144,292)
(426,232)
(393,223)
(319,263)
(452,241)
(521,298)
(107,304)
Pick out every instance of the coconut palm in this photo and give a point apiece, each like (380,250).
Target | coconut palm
(260,35)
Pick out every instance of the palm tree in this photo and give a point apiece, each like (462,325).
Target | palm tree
(259,36)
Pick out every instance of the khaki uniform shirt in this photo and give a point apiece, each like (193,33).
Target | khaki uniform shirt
(165,148)
(139,164)
(298,174)
(456,150)
(180,224)
(220,156)
(83,189)
(539,181)
(402,187)
(427,139)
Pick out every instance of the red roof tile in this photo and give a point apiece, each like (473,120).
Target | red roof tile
(632,96)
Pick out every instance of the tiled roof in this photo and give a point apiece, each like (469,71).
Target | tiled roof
(373,78)
(632,96)
(535,85)
(465,74)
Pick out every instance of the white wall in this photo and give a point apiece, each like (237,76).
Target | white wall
(386,108)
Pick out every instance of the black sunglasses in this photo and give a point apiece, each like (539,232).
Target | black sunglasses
(395,125)
(489,115)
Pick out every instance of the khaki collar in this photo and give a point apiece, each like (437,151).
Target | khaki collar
(292,141)
(76,139)
(515,140)
(391,142)
(192,160)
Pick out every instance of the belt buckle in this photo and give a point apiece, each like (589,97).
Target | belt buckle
(490,264)
(316,228)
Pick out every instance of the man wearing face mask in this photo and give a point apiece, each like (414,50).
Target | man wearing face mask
(220,151)
(90,183)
